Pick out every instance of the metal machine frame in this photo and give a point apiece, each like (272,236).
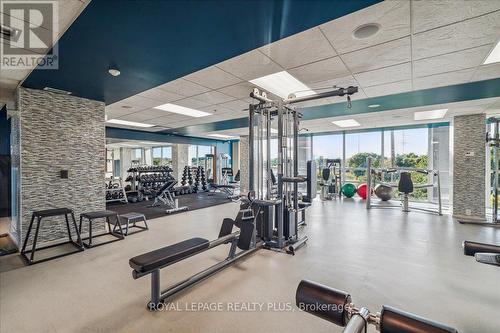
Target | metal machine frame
(288,117)
(405,199)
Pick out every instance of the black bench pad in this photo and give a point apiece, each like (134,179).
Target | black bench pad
(98,214)
(52,212)
(223,186)
(168,255)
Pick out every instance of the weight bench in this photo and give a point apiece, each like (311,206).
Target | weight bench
(164,196)
(152,262)
(228,189)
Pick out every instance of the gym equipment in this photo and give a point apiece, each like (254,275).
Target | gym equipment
(39,215)
(331,179)
(105,214)
(243,239)
(226,186)
(164,196)
(337,307)
(384,192)
(145,181)
(130,220)
(115,191)
(362,190)
(405,186)
(348,190)
(484,253)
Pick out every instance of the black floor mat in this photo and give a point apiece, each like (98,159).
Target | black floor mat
(193,201)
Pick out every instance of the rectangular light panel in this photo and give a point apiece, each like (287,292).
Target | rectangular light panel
(429,115)
(494,55)
(128,123)
(283,84)
(221,136)
(182,110)
(346,123)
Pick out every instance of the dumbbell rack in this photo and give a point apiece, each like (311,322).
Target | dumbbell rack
(113,190)
(146,179)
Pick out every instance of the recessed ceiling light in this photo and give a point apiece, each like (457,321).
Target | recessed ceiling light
(346,123)
(494,55)
(429,115)
(222,136)
(373,105)
(114,72)
(366,31)
(182,110)
(283,84)
(128,123)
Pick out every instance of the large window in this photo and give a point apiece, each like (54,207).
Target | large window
(422,148)
(162,155)
(196,154)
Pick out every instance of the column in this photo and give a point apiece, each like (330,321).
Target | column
(180,155)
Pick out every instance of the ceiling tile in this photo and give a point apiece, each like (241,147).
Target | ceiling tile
(451,62)
(486,72)
(341,82)
(161,95)
(144,115)
(240,90)
(191,103)
(382,55)
(250,65)
(444,79)
(169,119)
(385,75)
(299,49)
(212,77)
(213,97)
(320,71)
(388,89)
(393,18)
(459,36)
(430,14)
(238,105)
(140,102)
(183,87)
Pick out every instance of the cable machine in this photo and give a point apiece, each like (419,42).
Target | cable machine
(280,220)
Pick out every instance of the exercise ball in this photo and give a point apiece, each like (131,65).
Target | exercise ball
(384,192)
(349,190)
(362,190)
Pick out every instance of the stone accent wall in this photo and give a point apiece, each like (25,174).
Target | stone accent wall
(469,171)
(180,156)
(244,163)
(15,162)
(60,132)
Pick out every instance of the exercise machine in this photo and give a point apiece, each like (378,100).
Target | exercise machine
(165,196)
(330,179)
(279,225)
(337,307)
(242,242)
(484,253)
(405,186)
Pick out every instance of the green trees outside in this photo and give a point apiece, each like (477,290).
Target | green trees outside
(409,160)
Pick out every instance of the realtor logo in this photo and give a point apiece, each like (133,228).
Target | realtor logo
(28,32)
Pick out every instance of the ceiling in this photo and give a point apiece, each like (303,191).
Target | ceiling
(154,42)
(68,10)
(422,45)
(119,143)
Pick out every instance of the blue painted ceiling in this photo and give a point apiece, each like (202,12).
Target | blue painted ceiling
(154,42)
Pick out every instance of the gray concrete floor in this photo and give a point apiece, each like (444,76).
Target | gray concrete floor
(411,261)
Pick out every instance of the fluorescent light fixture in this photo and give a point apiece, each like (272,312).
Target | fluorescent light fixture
(346,123)
(373,105)
(182,110)
(494,55)
(221,136)
(128,123)
(283,84)
(429,115)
